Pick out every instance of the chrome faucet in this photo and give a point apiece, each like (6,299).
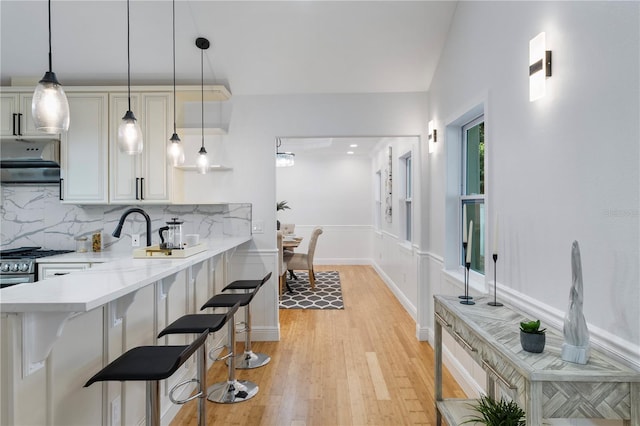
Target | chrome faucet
(118,229)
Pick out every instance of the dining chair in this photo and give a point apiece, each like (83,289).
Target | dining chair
(288,228)
(304,261)
(282,263)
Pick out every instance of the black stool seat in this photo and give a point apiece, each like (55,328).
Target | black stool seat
(146,363)
(243,285)
(226,300)
(197,323)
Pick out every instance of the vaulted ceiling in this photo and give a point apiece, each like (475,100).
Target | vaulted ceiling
(261,47)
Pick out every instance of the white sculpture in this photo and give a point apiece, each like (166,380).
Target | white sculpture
(576,334)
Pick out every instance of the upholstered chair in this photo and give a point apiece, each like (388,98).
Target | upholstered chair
(304,261)
(282,264)
(288,228)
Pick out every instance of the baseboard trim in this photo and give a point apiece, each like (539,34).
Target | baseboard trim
(265,334)
(404,301)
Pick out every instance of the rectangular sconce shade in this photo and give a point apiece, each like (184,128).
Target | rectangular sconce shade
(539,67)
(433,133)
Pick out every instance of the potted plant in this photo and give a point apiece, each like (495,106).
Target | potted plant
(532,338)
(497,413)
(281,205)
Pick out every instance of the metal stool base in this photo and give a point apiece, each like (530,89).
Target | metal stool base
(249,360)
(232,392)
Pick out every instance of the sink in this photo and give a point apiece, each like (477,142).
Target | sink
(156,252)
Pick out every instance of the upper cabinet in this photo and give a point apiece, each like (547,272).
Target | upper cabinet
(16,119)
(145,178)
(84,154)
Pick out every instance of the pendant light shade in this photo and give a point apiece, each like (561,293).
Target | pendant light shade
(284,159)
(202,163)
(49,106)
(130,135)
(129,132)
(175,150)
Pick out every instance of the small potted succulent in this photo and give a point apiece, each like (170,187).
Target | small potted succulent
(532,338)
(497,413)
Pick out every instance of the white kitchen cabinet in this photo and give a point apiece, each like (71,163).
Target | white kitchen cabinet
(84,155)
(16,119)
(49,270)
(145,178)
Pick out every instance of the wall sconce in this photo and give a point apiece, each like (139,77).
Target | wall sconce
(433,133)
(539,66)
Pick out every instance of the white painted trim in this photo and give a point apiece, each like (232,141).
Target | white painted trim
(342,261)
(460,374)
(406,303)
(265,334)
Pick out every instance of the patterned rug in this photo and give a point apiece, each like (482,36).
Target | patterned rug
(327,295)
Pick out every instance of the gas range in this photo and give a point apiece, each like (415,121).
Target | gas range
(18,266)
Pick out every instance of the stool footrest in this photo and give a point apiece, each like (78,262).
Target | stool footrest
(178,386)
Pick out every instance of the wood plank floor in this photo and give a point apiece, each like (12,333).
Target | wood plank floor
(359,366)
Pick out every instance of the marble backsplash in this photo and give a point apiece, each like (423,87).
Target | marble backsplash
(32,215)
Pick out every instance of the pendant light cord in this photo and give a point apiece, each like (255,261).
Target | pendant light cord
(128,60)
(202,92)
(174,66)
(50,66)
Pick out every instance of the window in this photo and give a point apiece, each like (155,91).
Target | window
(472,192)
(408,192)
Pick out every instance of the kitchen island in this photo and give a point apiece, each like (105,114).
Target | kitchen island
(58,332)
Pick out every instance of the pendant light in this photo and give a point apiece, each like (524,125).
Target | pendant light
(129,132)
(175,150)
(284,159)
(49,106)
(202,163)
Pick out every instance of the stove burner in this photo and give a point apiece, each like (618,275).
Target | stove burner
(29,253)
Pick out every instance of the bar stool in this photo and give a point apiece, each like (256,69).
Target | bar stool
(152,364)
(232,390)
(249,359)
(197,324)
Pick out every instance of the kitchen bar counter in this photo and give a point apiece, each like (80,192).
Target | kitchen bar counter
(85,290)
(58,332)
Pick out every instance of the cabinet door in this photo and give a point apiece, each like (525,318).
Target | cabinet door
(49,270)
(156,127)
(8,106)
(124,180)
(27,127)
(84,151)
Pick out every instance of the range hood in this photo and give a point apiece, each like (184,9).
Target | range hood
(29,160)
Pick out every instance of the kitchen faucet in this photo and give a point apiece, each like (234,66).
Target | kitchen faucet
(118,229)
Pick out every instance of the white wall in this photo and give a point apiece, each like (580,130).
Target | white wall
(561,169)
(334,192)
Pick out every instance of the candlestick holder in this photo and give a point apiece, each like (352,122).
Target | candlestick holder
(466,300)
(495,282)
(464,256)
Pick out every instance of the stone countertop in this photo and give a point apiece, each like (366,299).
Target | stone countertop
(102,283)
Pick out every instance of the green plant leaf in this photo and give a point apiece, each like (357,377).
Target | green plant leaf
(497,413)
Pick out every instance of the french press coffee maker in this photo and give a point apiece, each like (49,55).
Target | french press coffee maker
(171,235)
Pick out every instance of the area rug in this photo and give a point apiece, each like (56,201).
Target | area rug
(327,295)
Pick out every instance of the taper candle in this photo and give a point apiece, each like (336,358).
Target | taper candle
(464,223)
(469,245)
(495,236)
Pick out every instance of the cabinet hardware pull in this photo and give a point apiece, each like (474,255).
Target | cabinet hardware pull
(442,320)
(142,188)
(137,186)
(464,342)
(61,197)
(498,376)
(19,121)
(14,124)
(61,273)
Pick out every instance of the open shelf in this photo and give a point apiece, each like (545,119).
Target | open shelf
(197,131)
(457,411)
(212,168)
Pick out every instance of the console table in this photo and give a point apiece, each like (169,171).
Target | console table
(542,384)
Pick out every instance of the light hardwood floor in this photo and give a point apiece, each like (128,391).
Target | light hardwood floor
(359,366)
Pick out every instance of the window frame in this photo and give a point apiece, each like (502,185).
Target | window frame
(472,199)
(407,201)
